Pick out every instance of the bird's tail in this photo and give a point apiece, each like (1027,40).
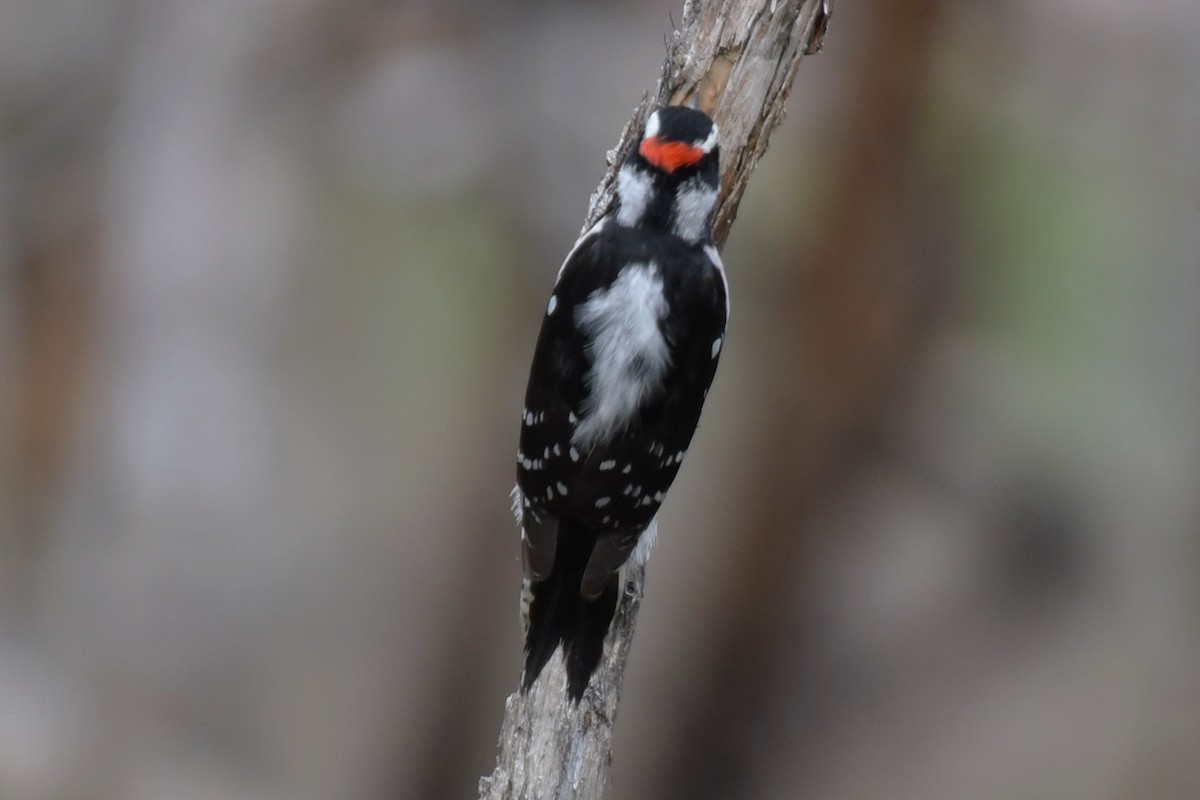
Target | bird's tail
(559,614)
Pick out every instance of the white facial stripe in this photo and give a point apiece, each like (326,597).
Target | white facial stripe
(693,205)
(711,141)
(651,126)
(634,189)
(629,355)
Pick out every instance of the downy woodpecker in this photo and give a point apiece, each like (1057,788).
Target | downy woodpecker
(627,350)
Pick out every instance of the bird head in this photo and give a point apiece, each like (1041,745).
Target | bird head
(678,138)
(670,182)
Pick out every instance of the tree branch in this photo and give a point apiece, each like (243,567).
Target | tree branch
(736,60)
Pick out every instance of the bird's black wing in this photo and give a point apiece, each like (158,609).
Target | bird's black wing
(614,487)
(548,463)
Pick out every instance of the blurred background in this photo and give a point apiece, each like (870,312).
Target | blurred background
(270,275)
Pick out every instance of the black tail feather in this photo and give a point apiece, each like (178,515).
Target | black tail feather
(549,616)
(558,614)
(591,626)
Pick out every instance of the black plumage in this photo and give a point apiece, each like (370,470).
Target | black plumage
(627,351)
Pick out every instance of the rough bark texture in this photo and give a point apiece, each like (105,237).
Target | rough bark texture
(736,60)
(853,317)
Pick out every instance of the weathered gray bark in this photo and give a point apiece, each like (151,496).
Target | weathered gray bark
(736,60)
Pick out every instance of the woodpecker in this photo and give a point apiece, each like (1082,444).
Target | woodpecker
(628,347)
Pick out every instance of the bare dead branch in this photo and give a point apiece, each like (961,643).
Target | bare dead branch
(735,59)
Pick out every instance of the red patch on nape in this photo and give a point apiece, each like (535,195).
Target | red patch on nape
(669,156)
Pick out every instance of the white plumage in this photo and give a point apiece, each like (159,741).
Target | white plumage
(628,352)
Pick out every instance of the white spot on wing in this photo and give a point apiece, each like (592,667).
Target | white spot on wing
(629,353)
(607,465)
(518,501)
(562,489)
(602,502)
(628,468)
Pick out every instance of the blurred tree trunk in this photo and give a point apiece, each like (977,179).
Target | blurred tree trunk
(44,368)
(174,479)
(853,319)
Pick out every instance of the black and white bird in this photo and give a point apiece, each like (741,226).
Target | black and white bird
(627,351)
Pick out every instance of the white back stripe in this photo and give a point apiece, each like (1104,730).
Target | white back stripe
(628,353)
